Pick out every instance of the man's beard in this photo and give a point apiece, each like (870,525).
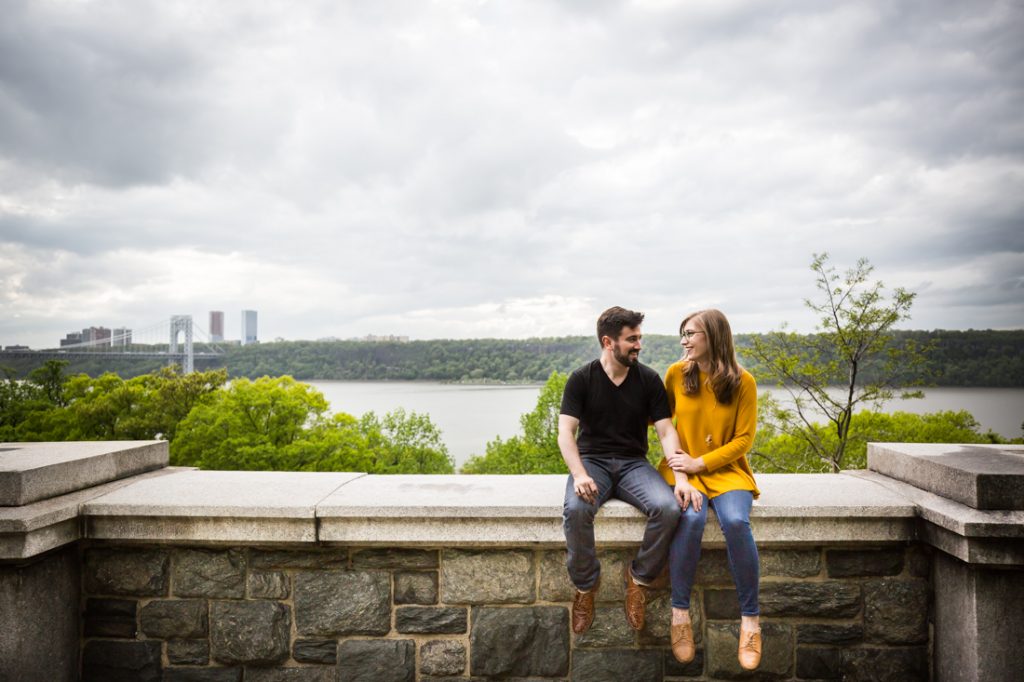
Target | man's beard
(628,360)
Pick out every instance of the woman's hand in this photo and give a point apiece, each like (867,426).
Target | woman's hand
(687,494)
(680,461)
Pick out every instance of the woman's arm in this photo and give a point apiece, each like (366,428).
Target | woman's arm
(746,426)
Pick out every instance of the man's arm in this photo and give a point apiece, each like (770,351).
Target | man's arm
(583,484)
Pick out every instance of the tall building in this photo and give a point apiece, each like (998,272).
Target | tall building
(249,327)
(216,325)
(96,336)
(122,337)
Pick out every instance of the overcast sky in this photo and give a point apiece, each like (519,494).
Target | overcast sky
(503,169)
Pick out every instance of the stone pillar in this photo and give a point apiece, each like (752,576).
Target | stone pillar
(971,502)
(39,602)
(42,486)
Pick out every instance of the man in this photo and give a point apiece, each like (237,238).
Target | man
(610,401)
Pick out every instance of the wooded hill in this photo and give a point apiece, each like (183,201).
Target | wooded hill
(955,358)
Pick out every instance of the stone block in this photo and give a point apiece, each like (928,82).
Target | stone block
(110,618)
(777,642)
(188,652)
(713,568)
(818,663)
(722,604)
(114,661)
(789,563)
(416,587)
(430,620)
(394,558)
(442,657)
(249,632)
(342,602)
(826,599)
(554,584)
(896,611)
(309,559)
(203,675)
(302,674)
(487,577)
(884,665)
(125,571)
(315,651)
(519,642)
(617,665)
(694,668)
(823,633)
(267,585)
(658,621)
(848,563)
(377,660)
(209,573)
(609,629)
(174,619)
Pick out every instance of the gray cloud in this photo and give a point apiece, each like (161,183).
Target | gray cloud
(349,168)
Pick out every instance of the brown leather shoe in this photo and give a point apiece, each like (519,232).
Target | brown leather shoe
(583,609)
(635,602)
(750,649)
(683,647)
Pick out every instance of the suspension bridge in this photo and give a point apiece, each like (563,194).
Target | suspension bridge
(175,341)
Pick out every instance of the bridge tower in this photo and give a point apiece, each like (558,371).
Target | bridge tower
(182,324)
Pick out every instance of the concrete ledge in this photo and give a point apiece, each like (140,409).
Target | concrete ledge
(30,472)
(979,476)
(215,506)
(513,510)
(972,535)
(36,528)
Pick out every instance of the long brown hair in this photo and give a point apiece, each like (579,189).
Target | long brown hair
(725,371)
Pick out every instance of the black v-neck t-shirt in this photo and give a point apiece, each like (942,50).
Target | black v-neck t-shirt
(614,419)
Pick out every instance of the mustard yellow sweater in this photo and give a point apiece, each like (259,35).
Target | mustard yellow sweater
(720,434)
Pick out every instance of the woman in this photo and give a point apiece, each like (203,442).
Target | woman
(714,405)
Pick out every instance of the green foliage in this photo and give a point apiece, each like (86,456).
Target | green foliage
(281,424)
(52,406)
(778,452)
(854,336)
(536,450)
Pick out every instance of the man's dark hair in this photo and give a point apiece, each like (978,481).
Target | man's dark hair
(612,321)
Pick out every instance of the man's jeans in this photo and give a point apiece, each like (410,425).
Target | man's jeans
(733,512)
(632,480)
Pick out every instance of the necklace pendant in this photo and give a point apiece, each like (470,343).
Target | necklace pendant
(707,439)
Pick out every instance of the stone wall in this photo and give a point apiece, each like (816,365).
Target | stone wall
(349,613)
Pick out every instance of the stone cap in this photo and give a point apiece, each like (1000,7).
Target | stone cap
(972,535)
(464,510)
(35,528)
(979,476)
(30,472)
(215,506)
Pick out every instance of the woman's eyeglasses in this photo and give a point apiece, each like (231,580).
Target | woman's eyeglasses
(689,334)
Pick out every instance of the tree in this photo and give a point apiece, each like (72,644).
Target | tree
(824,373)
(536,450)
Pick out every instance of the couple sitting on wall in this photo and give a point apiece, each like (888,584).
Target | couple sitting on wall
(704,414)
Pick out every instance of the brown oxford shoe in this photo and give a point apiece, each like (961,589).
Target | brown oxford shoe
(683,647)
(635,601)
(749,653)
(583,609)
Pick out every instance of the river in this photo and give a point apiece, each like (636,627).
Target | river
(469,415)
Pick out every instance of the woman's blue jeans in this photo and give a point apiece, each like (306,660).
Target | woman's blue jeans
(733,512)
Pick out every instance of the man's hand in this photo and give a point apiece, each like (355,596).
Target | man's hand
(585,487)
(680,461)
(686,494)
